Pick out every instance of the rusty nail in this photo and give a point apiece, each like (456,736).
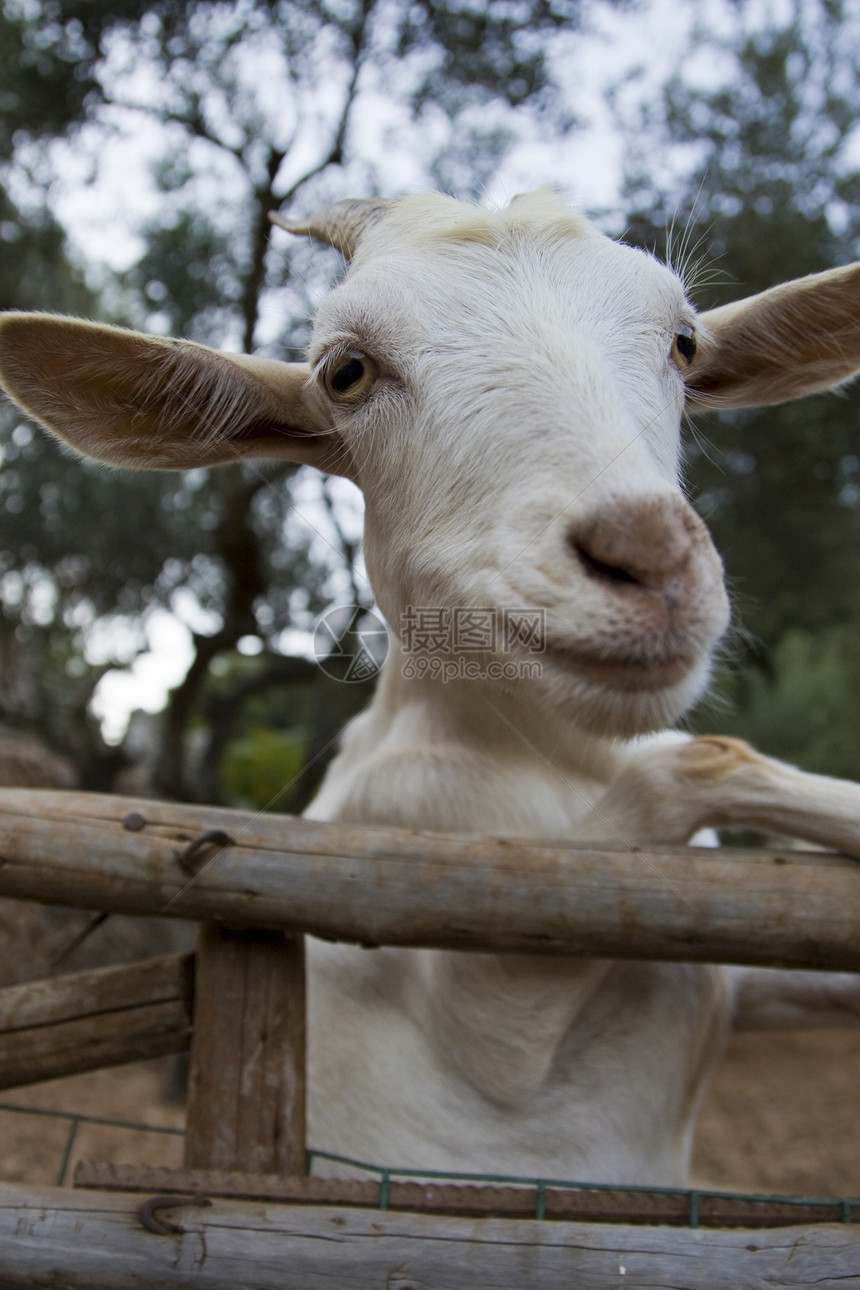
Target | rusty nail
(134,822)
(160,1226)
(190,858)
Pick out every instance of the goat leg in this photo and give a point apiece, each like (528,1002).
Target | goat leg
(666,793)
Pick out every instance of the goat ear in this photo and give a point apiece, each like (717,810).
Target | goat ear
(342,225)
(149,402)
(796,339)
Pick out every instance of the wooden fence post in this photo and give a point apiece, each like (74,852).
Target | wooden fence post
(246,1096)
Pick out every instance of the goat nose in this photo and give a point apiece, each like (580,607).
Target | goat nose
(647,544)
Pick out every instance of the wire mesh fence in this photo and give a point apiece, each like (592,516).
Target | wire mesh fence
(74,1120)
(691,1207)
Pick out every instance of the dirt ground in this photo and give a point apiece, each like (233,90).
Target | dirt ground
(32,1146)
(782,1116)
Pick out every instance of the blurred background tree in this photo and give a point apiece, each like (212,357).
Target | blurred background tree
(230,108)
(765,117)
(253,105)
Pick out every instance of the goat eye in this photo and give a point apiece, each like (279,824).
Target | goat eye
(684,346)
(350,376)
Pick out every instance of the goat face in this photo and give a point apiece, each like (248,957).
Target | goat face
(510,388)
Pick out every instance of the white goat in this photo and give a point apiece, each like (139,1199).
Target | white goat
(507,389)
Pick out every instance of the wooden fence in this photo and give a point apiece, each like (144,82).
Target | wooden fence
(249,879)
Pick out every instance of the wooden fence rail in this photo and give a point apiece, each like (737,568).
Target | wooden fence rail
(774,907)
(81,1240)
(87,1020)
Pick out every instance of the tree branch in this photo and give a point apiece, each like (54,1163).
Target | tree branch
(264,200)
(194,123)
(334,157)
(264,196)
(348,550)
(239,548)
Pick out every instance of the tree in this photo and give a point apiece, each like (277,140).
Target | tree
(772,194)
(257,103)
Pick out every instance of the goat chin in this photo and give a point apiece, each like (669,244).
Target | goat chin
(605,710)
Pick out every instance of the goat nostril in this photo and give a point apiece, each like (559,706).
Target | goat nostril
(648,546)
(602,571)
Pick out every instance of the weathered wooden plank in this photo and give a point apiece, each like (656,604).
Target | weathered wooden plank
(486,1200)
(246,1094)
(406,887)
(82,1240)
(103,1017)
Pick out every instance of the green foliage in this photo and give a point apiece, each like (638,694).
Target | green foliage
(34,268)
(485,48)
(771,194)
(776,489)
(46,70)
(188,276)
(259,768)
(806,709)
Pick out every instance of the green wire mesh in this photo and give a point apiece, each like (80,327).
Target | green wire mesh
(692,1196)
(76,1119)
(385,1174)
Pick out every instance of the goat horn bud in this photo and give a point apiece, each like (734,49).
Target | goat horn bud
(342,225)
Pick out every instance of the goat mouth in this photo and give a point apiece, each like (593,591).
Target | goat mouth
(624,673)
